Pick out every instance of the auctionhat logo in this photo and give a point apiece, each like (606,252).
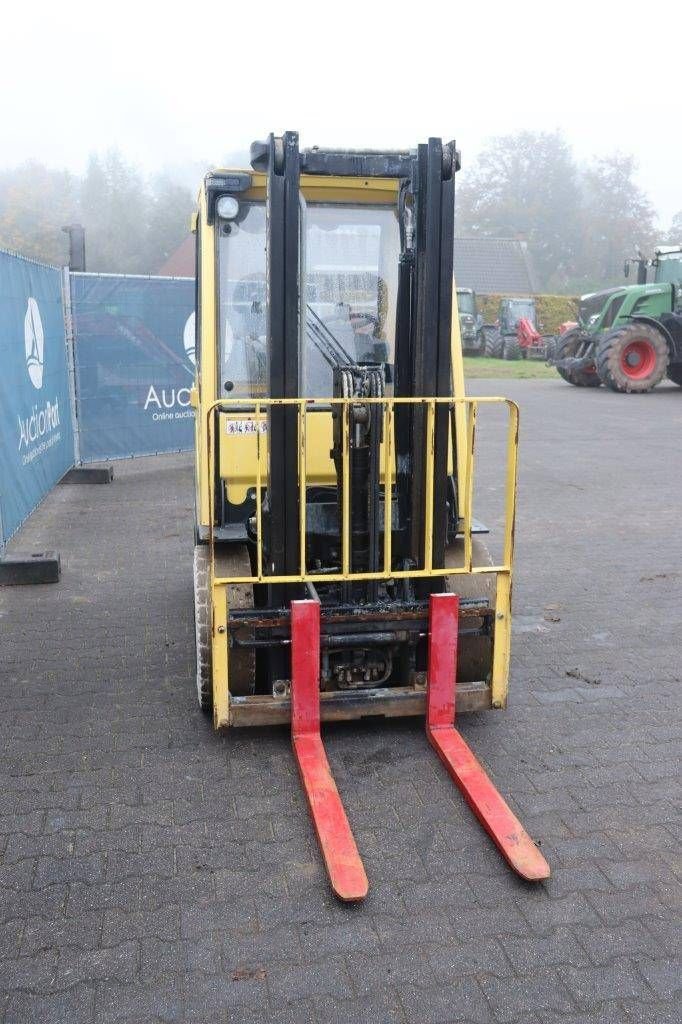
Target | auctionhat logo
(34,339)
(188,338)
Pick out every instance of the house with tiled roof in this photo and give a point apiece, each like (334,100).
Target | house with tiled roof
(491,266)
(494,266)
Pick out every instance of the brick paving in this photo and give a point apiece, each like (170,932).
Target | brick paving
(152,871)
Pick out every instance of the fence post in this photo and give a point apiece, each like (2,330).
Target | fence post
(71,361)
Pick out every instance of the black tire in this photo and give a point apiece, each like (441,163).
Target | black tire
(478,347)
(632,359)
(202,627)
(567,345)
(550,347)
(675,374)
(493,343)
(474,654)
(230,561)
(511,349)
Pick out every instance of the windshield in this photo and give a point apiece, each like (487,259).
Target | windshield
(516,310)
(241,261)
(591,306)
(669,268)
(350,289)
(466,303)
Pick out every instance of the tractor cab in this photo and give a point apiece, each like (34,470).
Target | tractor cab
(667,264)
(513,310)
(470,322)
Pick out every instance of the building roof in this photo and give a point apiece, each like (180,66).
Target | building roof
(181,262)
(494,266)
(491,266)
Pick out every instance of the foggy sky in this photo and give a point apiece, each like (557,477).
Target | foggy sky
(181,86)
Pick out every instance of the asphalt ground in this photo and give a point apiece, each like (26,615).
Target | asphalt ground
(152,870)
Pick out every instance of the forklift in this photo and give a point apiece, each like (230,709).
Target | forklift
(338,570)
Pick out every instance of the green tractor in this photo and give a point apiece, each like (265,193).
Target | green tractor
(470,323)
(628,338)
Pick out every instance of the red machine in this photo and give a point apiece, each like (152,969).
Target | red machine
(531,342)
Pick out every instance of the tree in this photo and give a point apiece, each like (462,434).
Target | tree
(131,225)
(35,203)
(168,220)
(617,218)
(526,186)
(674,236)
(114,210)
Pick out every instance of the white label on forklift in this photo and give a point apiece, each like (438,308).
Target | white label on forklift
(246,427)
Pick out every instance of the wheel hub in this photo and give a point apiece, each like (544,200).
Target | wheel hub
(638,359)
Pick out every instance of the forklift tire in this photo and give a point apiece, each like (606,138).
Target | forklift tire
(231,561)
(474,654)
(511,349)
(675,374)
(633,358)
(564,347)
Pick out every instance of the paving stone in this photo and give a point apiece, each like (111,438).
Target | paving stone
(74,1006)
(619,980)
(329,977)
(511,997)
(459,1001)
(559,947)
(118,963)
(146,861)
(664,976)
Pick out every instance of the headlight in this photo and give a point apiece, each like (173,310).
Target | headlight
(227,207)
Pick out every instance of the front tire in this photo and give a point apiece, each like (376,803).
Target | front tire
(202,627)
(511,349)
(493,343)
(232,560)
(567,345)
(633,358)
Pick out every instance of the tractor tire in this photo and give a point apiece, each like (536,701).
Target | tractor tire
(565,346)
(474,654)
(633,358)
(511,349)
(234,561)
(675,374)
(493,344)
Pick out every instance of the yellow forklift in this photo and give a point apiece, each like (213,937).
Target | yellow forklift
(338,570)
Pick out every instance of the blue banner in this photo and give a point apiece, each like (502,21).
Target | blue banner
(36,437)
(134,364)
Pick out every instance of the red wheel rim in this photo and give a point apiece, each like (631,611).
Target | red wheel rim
(638,359)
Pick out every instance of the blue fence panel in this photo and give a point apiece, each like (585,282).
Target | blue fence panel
(36,436)
(134,364)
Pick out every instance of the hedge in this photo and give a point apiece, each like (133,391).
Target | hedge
(552,310)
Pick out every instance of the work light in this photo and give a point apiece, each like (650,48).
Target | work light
(227,207)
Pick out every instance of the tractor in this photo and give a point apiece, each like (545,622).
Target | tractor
(470,323)
(507,343)
(628,338)
(338,570)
